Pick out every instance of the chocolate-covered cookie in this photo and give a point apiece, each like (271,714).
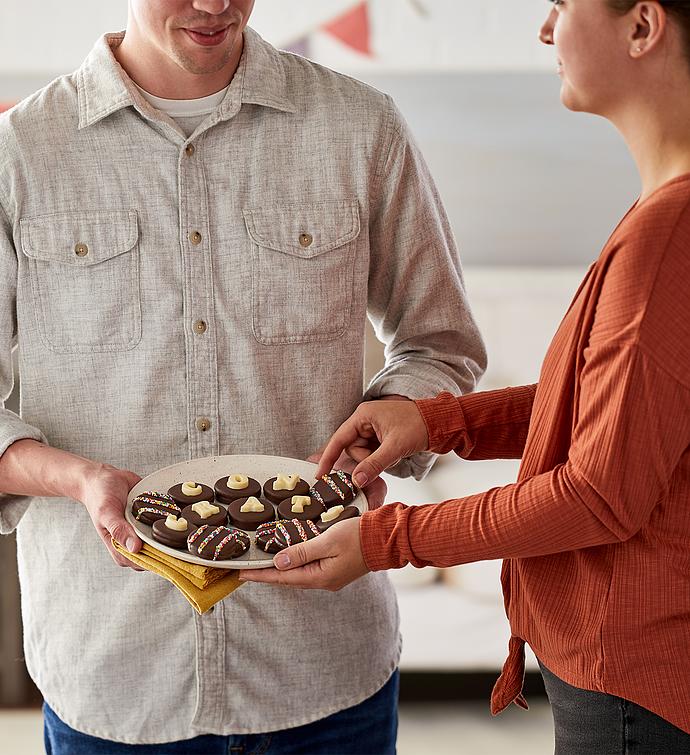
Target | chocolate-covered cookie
(334,515)
(287,486)
(152,505)
(300,507)
(255,512)
(190,492)
(234,486)
(217,543)
(205,512)
(266,537)
(294,531)
(333,489)
(172,531)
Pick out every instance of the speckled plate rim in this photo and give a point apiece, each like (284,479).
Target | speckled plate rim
(209,469)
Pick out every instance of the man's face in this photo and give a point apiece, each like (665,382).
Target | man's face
(199,36)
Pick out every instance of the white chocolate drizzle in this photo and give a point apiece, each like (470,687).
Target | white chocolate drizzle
(205,509)
(191,488)
(299,502)
(333,513)
(237,481)
(286,482)
(252,505)
(173,523)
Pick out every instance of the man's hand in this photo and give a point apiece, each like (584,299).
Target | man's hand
(104,492)
(378,435)
(31,468)
(327,562)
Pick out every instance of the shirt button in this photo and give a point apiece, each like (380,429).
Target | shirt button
(195,238)
(200,327)
(81,250)
(203,424)
(189,150)
(306,239)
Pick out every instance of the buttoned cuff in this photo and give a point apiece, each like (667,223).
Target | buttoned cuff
(379,531)
(443,418)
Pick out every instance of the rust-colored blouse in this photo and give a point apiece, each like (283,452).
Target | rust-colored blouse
(596,529)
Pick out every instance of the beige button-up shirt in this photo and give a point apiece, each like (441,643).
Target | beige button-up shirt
(299,206)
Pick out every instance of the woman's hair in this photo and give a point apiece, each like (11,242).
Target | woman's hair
(679,9)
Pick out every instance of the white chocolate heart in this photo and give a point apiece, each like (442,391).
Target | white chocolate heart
(191,488)
(237,481)
(173,523)
(299,502)
(252,505)
(333,513)
(205,509)
(286,482)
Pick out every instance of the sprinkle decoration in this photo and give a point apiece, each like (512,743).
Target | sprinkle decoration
(331,484)
(299,526)
(235,535)
(341,475)
(280,526)
(196,534)
(208,539)
(315,493)
(147,510)
(269,529)
(157,504)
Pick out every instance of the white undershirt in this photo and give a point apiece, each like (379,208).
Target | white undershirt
(188,113)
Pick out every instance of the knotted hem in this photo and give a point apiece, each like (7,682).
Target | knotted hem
(508,687)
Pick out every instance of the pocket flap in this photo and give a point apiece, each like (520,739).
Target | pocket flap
(79,238)
(304,230)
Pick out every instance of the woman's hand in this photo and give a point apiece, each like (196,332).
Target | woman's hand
(377,435)
(327,562)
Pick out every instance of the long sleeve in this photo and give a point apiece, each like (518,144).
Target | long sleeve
(12,428)
(417,301)
(619,467)
(485,425)
(631,428)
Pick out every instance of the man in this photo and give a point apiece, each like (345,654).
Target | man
(193,228)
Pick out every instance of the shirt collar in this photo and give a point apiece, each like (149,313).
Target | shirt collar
(104,88)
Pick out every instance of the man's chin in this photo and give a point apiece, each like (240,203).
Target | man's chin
(200,67)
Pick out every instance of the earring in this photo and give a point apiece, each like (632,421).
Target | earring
(638,49)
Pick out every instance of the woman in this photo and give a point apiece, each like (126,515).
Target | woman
(597,528)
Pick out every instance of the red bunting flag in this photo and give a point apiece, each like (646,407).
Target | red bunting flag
(353,28)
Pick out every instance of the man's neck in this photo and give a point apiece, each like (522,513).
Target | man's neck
(164,78)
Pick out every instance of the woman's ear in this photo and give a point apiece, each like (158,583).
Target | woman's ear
(647,29)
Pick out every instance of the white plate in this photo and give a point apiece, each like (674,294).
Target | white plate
(207,471)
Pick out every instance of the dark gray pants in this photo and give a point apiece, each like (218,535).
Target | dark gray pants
(593,723)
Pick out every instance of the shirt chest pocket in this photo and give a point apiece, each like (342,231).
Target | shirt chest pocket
(303,259)
(84,269)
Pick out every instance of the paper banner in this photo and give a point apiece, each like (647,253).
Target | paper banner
(300,47)
(353,29)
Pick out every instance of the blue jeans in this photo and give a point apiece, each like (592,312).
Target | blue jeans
(369,728)
(589,723)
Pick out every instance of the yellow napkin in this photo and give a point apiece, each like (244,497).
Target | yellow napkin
(203,586)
